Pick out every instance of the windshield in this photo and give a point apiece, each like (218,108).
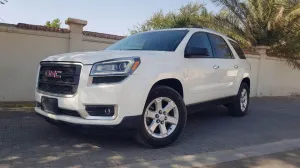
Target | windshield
(151,41)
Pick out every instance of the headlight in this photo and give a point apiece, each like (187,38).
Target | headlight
(120,66)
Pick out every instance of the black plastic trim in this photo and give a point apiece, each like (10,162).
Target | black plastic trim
(108,79)
(99,110)
(210,103)
(60,111)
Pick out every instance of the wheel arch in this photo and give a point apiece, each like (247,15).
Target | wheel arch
(172,83)
(247,81)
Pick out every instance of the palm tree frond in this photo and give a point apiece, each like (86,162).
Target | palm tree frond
(234,6)
(294,14)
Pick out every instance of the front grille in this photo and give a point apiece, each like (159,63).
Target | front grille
(59,78)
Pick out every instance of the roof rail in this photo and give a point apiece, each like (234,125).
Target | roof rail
(219,33)
(201,27)
(211,30)
(197,27)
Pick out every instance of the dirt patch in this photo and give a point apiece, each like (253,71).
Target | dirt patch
(17,104)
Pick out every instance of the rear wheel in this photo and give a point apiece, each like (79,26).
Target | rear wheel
(164,117)
(239,107)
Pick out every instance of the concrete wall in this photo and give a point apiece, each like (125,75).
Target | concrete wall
(21,50)
(273,77)
(254,61)
(94,43)
(20,55)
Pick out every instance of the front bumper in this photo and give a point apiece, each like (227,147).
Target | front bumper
(128,123)
(128,97)
(66,118)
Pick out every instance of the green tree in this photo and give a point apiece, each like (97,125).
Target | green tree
(190,15)
(2,2)
(53,24)
(275,23)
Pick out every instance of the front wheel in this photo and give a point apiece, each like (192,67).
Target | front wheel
(164,117)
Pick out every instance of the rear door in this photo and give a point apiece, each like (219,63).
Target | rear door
(227,66)
(243,64)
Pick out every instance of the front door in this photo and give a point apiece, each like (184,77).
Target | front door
(203,72)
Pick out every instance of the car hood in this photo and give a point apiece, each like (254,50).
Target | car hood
(97,56)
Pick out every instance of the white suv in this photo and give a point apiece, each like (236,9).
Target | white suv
(147,81)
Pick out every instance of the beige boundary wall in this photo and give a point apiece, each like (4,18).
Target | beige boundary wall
(272,76)
(23,46)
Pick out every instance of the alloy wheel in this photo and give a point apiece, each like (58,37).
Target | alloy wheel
(161,117)
(244,100)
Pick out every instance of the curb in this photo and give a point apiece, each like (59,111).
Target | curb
(211,158)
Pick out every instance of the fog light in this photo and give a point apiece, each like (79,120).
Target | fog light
(107,111)
(100,110)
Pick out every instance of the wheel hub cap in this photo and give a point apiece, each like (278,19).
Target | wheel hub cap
(161,117)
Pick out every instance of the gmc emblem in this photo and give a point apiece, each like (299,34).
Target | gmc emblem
(52,74)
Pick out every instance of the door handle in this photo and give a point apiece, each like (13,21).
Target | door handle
(236,66)
(216,66)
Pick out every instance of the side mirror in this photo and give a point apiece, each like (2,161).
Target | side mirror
(195,52)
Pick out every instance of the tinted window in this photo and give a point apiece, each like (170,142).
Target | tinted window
(200,40)
(220,47)
(238,50)
(153,41)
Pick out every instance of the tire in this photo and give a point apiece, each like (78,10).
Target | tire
(155,137)
(236,109)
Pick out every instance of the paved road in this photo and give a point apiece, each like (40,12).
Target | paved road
(288,159)
(28,141)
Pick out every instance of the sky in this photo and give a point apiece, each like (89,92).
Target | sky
(105,16)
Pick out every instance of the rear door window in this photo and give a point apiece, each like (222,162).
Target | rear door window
(238,50)
(220,47)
